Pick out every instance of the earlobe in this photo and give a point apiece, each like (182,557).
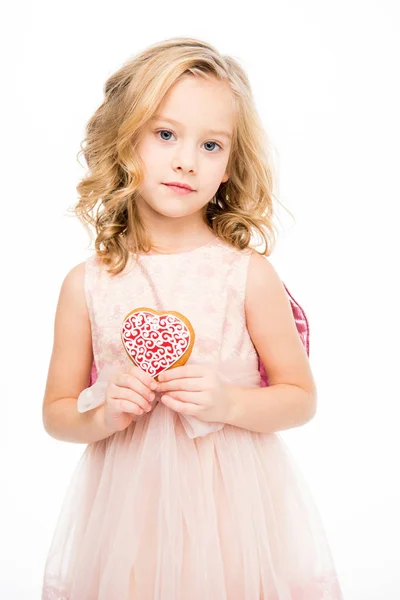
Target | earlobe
(225,178)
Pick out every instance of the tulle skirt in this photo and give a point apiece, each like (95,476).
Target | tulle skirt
(154,514)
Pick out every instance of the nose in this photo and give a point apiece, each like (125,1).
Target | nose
(185,159)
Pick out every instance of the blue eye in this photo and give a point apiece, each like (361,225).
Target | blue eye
(170,132)
(164,131)
(215,143)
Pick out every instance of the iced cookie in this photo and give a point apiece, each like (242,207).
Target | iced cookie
(156,341)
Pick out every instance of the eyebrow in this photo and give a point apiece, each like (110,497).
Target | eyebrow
(212,131)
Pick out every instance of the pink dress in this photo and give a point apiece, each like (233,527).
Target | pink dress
(172,508)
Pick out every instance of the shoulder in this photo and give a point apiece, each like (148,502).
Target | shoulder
(73,287)
(267,303)
(80,276)
(75,276)
(262,277)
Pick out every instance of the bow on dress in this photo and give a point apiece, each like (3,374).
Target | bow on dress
(231,371)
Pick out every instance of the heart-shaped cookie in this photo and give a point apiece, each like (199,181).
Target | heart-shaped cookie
(156,341)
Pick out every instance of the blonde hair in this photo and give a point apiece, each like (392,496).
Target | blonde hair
(242,205)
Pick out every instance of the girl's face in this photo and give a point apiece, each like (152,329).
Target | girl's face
(189,142)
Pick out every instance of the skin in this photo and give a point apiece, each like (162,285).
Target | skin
(175,224)
(187,153)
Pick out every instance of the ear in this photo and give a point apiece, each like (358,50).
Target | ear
(225,177)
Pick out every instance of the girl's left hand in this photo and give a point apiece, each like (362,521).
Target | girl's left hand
(195,390)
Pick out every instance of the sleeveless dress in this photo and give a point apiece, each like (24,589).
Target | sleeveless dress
(173,508)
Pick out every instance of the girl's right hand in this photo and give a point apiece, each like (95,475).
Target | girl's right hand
(128,396)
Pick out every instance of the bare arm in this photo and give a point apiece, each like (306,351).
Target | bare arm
(69,369)
(291,398)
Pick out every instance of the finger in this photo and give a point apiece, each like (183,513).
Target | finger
(191,384)
(125,393)
(145,378)
(182,372)
(129,407)
(131,382)
(186,397)
(184,408)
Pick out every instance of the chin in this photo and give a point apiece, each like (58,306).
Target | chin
(174,212)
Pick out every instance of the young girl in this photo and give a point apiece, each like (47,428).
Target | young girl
(185,490)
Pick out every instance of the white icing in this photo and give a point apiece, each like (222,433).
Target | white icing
(155,342)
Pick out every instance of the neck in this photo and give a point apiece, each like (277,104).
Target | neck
(169,235)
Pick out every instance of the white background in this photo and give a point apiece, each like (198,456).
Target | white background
(325,77)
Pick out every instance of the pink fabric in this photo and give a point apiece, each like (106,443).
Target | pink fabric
(302,327)
(162,510)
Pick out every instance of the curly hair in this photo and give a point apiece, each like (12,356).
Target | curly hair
(242,206)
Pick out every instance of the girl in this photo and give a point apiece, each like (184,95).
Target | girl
(185,490)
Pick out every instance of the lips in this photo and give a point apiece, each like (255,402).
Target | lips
(180,185)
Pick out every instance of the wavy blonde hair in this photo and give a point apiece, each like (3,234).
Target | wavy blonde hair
(242,206)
